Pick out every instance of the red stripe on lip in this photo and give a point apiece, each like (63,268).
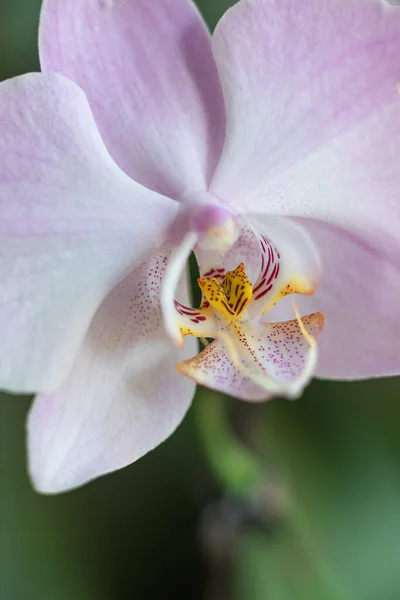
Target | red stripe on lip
(269,288)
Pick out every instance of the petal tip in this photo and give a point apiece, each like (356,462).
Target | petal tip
(181,368)
(176,338)
(44,482)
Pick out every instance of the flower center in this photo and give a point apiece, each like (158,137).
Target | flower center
(215,224)
(231,297)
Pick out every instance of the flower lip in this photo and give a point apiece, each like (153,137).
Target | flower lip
(250,357)
(276,358)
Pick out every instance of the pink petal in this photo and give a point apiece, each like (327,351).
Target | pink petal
(324,142)
(353,182)
(214,369)
(70,228)
(123,396)
(175,269)
(295,80)
(148,71)
(276,352)
(313,112)
(358,192)
(359,294)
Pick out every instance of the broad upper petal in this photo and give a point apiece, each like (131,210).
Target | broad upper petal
(353,183)
(326,147)
(313,112)
(353,187)
(150,77)
(70,228)
(123,397)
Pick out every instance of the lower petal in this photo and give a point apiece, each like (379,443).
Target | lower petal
(123,396)
(256,362)
(214,369)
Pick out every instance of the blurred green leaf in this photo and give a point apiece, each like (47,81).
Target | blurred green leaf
(339,449)
(39,557)
(280,566)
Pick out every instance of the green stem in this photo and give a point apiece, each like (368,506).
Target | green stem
(241,473)
(299,525)
(234,466)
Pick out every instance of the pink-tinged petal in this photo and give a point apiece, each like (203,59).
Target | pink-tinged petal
(175,268)
(214,369)
(150,77)
(359,294)
(355,185)
(70,228)
(290,262)
(268,359)
(123,396)
(313,113)
(334,129)
(353,182)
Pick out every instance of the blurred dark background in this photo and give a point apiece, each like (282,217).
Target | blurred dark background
(162,528)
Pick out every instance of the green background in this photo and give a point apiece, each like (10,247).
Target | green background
(162,527)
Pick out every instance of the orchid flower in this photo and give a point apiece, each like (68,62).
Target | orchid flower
(270,150)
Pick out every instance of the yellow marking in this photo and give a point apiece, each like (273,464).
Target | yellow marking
(186,331)
(230,298)
(295,287)
(310,339)
(203,329)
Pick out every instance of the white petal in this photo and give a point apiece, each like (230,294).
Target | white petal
(72,225)
(149,73)
(175,268)
(123,397)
